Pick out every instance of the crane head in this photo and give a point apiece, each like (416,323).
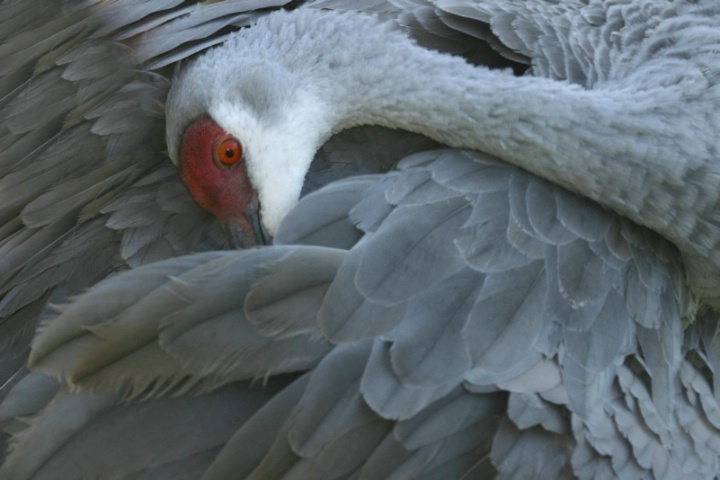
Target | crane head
(243,131)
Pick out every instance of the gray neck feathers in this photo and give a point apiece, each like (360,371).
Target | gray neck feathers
(631,144)
(642,145)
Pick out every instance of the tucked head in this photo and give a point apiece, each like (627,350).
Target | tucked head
(243,130)
(277,91)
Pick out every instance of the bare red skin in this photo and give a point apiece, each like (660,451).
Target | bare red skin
(223,190)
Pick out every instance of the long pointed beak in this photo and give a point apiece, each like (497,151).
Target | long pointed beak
(248,231)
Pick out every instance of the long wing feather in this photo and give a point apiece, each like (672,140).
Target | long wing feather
(223,317)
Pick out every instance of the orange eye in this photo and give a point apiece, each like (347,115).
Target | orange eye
(229,151)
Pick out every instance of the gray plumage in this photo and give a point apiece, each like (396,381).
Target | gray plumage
(523,287)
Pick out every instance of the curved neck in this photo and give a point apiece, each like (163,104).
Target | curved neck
(622,147)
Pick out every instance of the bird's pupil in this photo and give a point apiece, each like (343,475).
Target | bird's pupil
(229,153)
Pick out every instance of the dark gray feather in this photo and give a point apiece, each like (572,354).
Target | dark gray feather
(385,393)
(409,247)
(346,315)
(506,323)
(428,347)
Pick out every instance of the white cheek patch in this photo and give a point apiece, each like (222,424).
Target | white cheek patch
(277,156)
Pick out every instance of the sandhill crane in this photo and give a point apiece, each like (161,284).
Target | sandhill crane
(528,293)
